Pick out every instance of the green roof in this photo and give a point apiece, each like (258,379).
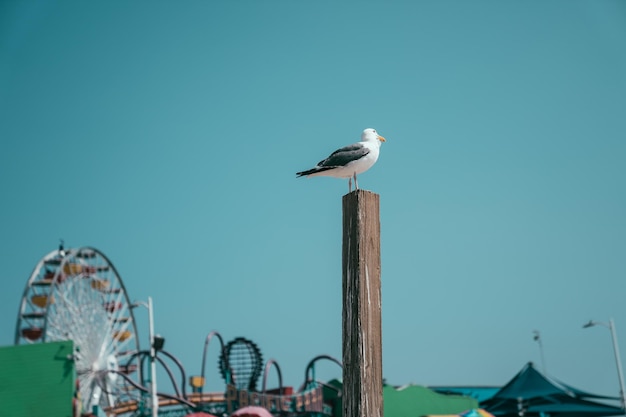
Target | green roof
(415,401)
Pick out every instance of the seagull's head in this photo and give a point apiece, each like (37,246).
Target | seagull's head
(370,135)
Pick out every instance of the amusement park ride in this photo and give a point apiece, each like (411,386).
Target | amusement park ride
(78,295)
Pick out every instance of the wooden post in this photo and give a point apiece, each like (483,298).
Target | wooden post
(361,318)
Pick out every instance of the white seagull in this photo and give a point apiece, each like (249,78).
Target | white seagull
(350,160)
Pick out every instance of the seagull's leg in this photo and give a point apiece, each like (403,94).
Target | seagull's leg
(350,185)
(356,183)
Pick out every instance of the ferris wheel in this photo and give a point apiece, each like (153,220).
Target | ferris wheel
(76,294)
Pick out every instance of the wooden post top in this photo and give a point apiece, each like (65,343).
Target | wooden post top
(359,193)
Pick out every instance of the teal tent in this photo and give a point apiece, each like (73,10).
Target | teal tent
(531,394)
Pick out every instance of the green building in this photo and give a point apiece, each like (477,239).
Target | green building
(37,380)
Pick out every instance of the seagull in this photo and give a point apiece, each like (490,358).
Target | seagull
(350,160)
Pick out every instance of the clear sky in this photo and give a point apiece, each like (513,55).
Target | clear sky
(168,134)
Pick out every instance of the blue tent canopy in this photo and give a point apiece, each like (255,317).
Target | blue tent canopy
(530,393)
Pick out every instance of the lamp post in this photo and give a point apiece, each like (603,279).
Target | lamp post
(611,327)
(537,338)
(153,385)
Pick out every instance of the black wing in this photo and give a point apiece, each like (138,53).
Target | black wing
(342,157)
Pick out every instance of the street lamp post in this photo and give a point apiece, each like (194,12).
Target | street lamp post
(618,362)
(153,385)
(537,338)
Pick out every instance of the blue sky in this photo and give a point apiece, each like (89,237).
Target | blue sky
(168,134)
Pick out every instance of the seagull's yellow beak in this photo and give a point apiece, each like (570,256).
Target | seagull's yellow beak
(380,138)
